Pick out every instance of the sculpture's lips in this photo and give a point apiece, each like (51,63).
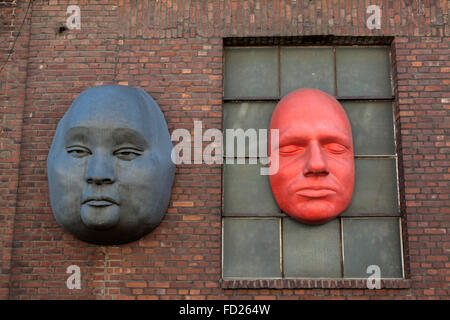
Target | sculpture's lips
(315,192)
(100,202)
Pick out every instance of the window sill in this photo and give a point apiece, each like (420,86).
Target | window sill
(311,283)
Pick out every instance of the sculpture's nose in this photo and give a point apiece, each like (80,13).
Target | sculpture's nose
(316,163)
(100,169)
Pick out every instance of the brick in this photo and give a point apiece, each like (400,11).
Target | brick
(193,217)
(158,285)
(183,204)
(136,284)
(433,88)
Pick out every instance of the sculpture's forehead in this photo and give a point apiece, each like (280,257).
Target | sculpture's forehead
(108,112)
(309,107)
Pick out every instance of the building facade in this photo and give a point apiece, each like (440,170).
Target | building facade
(184,53)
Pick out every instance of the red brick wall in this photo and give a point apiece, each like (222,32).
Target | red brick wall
(173,50)
(13,75)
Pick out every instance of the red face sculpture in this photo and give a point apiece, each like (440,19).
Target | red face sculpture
(316,174)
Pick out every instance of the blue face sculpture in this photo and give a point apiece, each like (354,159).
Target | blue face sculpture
(109,168)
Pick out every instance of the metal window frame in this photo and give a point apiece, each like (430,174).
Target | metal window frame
(281,215)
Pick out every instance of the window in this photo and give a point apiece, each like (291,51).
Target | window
(260,241)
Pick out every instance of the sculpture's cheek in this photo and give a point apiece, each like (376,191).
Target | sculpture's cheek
(65,186)
(344,172)
(144,190)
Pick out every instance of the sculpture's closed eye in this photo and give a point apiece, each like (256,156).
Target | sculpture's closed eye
(291,150)
(128,154)
(336,148)
(78,151)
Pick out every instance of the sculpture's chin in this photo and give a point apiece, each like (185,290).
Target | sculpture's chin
(100,218)
(314,220)
(314,212)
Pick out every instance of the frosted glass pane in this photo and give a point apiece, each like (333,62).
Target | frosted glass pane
(372,242)
(307,68)
(251,248)
(311,250)
(251,72)
(246,191)
(372,127)
(363,72)
(375,190)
